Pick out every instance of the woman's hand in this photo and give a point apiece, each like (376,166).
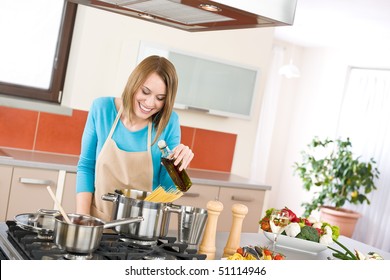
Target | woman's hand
(184,155)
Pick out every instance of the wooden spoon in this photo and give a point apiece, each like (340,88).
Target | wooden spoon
(59,205)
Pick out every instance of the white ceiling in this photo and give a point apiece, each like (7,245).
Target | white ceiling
(342,23)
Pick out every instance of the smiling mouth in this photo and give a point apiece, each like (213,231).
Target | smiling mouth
(144,109)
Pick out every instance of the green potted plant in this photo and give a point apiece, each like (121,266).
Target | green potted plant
(329,169)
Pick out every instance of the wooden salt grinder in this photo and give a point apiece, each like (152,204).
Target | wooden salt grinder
(207,246)
(239,212)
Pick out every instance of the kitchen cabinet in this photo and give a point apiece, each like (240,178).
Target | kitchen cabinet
(69,193)
(196,196)
(28,191)
(210,85)
(199,195)
(23,190)
(251,198)
(5,182)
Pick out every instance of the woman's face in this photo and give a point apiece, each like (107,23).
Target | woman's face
(150,97)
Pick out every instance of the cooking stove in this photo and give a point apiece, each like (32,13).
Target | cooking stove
(22,244)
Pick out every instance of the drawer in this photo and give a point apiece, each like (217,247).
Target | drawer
(28,190)
(253,199)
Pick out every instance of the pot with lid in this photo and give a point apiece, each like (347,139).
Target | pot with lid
(41,222)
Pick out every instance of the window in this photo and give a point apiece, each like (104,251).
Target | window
(35,43)
(365,118)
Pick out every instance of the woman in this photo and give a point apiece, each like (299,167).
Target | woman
(119,144)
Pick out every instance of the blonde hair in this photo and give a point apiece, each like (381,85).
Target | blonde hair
(166,70)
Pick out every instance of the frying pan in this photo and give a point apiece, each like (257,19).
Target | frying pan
(41,222)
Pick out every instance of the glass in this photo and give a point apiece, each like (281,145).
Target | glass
(278,221)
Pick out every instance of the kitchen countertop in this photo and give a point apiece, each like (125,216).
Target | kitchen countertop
(259,239)
(68,163)
(253,239)
(34,159)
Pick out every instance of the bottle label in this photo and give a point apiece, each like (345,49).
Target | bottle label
(180,178)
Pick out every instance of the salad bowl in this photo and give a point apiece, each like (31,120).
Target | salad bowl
(297,244)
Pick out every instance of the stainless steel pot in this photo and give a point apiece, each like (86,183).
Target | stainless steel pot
(192,222)
(130,203)
(41,222)
(84,234)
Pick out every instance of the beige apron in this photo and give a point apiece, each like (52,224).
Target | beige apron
(117,169)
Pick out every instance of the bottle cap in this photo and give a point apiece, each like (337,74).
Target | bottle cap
(161,144)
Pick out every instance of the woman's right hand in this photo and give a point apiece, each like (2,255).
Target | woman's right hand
(183,154)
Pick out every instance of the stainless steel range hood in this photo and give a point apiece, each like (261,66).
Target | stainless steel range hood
(196,15)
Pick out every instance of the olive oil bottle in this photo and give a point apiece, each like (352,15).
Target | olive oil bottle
(180,178)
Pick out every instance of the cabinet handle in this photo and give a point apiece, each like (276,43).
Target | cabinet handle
(238,198)
(198,109)
(191,194)
(32,181)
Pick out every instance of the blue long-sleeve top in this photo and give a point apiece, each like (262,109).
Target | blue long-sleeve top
(99,122)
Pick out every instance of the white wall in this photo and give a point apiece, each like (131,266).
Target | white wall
(104,52)
(309,107)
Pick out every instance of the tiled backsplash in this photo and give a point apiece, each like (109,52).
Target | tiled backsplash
(31,130)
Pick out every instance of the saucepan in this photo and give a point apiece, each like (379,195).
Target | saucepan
(84,233)
(130,203)
(41,222)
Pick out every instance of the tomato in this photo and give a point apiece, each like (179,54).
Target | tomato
(290,213)
(267,252)
(264,224)
(240,251)
(307,222)
(278,257)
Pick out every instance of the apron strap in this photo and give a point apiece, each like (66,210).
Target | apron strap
(149,135)
(115,122)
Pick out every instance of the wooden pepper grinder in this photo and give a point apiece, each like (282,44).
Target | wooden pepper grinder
(207,246)
(239,212)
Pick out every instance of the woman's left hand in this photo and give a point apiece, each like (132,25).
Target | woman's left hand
(184,155)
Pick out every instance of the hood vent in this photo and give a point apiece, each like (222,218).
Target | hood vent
(195,15)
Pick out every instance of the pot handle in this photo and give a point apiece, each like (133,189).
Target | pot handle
(49,212)
(173,208)
(110,197)
(166,217)
(124,221)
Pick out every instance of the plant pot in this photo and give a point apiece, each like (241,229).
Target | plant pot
(343,218)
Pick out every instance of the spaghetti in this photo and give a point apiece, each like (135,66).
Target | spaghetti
(160,195)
